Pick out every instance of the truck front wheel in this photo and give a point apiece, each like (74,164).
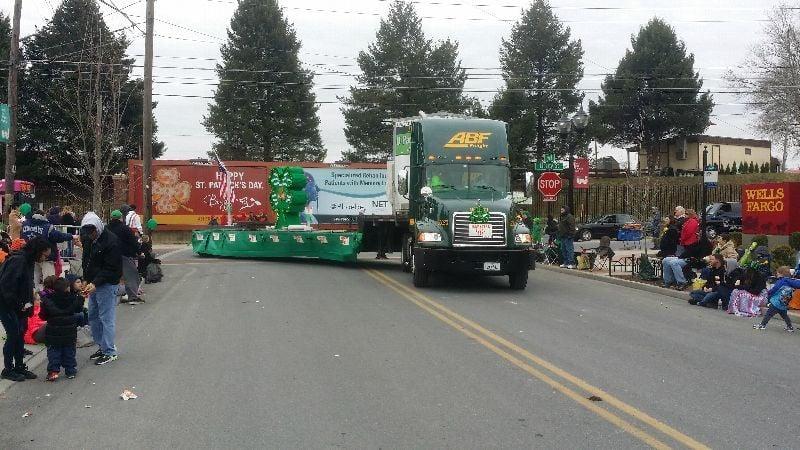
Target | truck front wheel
(408,245)
(420,275)
(519,279)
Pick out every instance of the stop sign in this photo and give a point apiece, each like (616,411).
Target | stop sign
(550,185)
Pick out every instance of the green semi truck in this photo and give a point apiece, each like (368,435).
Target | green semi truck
(451,210)
(449,187)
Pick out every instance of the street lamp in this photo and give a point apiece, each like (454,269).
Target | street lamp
(578,123)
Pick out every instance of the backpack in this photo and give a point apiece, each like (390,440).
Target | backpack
(153,273)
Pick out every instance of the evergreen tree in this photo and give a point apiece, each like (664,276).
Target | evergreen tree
(75,62)
(402,73)
(264,108)
(751,168)
(5,46)
(726,170)
(654,94)
(541,67)
(742,168)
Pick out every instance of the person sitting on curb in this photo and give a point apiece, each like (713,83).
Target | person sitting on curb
(712,291)
(102,269)
(668,242)
(749,293)
(689,251)
(726,247)
(779,295)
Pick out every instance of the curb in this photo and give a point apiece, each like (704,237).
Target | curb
(682,295)
(33,362)
(173,252)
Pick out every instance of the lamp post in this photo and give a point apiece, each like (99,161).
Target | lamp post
(566,125)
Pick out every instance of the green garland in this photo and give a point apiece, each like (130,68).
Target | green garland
(479,214)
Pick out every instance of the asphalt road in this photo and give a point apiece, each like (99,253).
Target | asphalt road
(304,354)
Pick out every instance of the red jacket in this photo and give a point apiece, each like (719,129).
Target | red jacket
(689,232)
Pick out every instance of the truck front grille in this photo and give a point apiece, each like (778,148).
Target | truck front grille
(461,237)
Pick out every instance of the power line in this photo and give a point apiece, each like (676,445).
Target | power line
(110,4)
(483,19)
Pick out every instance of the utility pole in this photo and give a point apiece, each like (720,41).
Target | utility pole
(147,115)
(13,104)
(703,196)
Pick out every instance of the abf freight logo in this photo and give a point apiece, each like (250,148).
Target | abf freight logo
(469,140)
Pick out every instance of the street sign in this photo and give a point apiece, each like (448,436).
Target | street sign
(548,164)
(550,184)
(710,177)
(5,122)
(581,177)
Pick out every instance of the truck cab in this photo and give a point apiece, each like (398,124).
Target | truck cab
(449,179)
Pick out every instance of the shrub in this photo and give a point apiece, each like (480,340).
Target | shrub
(737,238)
(761,239)
(794,240)
(782,256)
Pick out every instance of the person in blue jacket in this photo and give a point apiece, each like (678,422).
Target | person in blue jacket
(779,296)
(37,225)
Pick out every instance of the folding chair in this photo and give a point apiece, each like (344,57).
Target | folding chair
(552,255)
(603,253)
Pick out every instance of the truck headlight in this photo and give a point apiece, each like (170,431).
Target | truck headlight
(429,237)
(522,238)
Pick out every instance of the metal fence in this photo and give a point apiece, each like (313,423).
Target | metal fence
(636,200)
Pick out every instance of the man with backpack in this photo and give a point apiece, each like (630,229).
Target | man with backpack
(129,247)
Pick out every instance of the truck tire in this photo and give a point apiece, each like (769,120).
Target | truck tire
(420,275)
(518,280)
(407,252)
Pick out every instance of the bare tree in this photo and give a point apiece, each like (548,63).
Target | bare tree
(96,97)
(770,80)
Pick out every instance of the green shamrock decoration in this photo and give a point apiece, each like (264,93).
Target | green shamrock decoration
(479,214)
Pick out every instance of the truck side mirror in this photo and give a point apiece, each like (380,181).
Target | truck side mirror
(402,182)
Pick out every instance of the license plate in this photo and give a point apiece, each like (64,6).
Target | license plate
(480,230)
(491,266)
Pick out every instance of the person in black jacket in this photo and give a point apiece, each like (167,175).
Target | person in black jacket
(668,244)
(710,294)
(16,301)
(130,248)
(102,270)
(61,311)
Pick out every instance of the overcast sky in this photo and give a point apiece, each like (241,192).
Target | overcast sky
(332,32)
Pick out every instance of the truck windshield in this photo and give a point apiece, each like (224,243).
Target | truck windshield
(469,177)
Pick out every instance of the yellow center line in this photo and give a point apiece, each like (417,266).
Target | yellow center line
(429,304)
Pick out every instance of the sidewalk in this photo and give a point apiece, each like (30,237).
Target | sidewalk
(39,356)
(632,284)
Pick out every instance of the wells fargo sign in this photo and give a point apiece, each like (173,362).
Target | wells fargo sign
(770,208)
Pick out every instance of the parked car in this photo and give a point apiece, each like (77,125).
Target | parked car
(723,217)
(607,225)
